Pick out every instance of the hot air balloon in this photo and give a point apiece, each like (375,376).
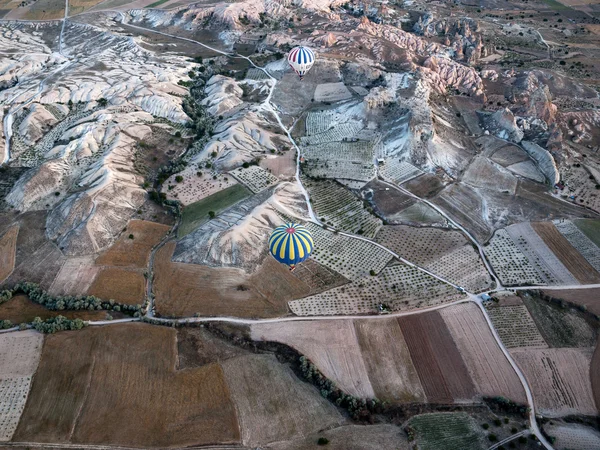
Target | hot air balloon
(301,59)
(291,244)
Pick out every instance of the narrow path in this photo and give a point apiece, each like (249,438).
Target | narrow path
(508,439)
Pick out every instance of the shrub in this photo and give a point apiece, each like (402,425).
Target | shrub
(485,426)
(492,437)
(522,440)
(322,441)
(372,273)
(211,214)
(179,178)
(497,422)
(131,236)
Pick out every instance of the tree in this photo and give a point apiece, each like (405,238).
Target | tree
(322,441)
(131,236)
(102,102)
(211,214)
(179,178)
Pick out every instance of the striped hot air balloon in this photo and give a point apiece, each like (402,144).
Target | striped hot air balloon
(301,59)
(291,244)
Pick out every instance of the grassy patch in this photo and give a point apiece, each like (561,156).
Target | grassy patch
(446,431)
(560,328)
(196,214)
(155,4)
(591,228)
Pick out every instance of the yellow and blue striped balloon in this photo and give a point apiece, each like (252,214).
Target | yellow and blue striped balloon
(291,244)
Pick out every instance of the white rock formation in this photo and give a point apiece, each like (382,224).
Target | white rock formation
(544,160)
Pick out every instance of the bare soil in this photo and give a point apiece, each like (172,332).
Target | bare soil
(117,385)
(569,256)
(185,289)
(590,298)
(440,366)
(134,252)
(424,186)
(120,284)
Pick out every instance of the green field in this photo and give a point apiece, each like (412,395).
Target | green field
(155,4)
(591,228)
(196,214)
(447,431)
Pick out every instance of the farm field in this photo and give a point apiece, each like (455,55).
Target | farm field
(194,188)
(420,245)
(39,10)
(19,358)
(272,404)
(281,165)
(387,202)
(510,264)
(590,298)
(352,437)
(573,436)
(595,374)
(336,206)
(546,263)
(332,92)
(318,277)
(254,178)
(447,431)
(8,249)
(420,214)
(331,346)
(88,383)
(128,252)
(20,309)
(491,372)
(352,258)
(75,276)
(516,327)
(579,241)
(571,258)
(196,214)
(464,268)
(560,328)
(185,289)
(440,366)
(79,6)
(424,186)
(398,286)
(388,362)
(398,172)
(559,379)
(120,284)
(591,228)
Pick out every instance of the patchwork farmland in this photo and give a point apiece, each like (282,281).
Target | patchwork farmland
(516,327)
(451,431)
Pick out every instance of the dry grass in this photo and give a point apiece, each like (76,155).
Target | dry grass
(122,285)
(75,276)
(272,404)
(20,353)
(79,6)
(185,289)
(571,258)
(134,252)
(41,10)
(386,356)
(22,310)
(117,385)
(332,346)
(8,251)
(492,373)
(440,366)
(559,379)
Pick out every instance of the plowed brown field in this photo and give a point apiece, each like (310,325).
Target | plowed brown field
(8,249)
(491,371)
(185,289)
(134,252)
(117,385)
(569,256)
(439,364)
(588,297)
(388,362)
(595,375)
(123,285)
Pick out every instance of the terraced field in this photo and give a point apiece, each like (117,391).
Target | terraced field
(336,206)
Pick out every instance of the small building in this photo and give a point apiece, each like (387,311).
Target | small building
(485,298)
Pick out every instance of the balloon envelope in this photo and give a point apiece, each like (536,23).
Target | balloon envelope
(291,244)
(301,59)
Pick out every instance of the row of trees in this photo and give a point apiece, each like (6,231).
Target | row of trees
(58,323)
(358,408)
(73,302)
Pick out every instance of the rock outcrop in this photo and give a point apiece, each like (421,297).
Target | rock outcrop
(544,160)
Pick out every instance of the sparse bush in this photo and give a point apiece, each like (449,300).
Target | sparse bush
(131,236)
(211,214)
(485,426)
(322,441)
(179,178)
(492,437)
